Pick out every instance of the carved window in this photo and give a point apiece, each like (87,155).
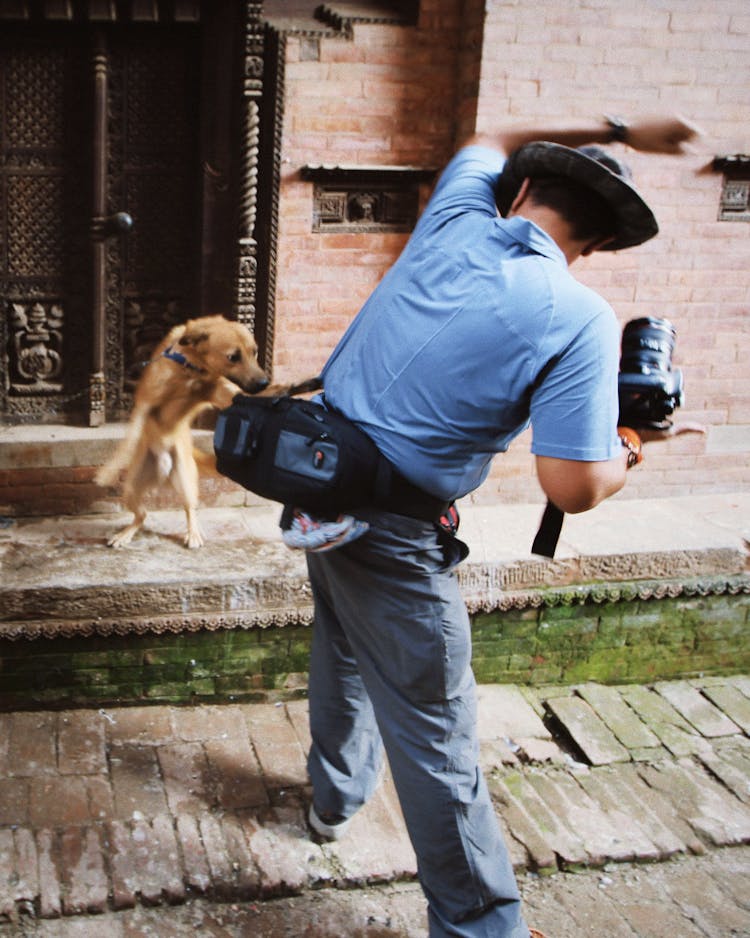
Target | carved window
(735,192)
(365,199)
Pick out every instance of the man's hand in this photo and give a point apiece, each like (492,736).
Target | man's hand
(655,436)
(660,135)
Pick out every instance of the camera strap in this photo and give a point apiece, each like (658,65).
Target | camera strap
(548,534)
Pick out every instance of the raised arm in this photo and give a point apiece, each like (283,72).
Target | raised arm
(650,135)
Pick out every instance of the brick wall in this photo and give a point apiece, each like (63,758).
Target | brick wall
(385,97)
(397,95)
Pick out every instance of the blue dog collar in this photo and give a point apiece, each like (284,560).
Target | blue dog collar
(180,359)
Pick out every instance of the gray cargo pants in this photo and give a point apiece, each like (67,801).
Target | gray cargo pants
(391,664)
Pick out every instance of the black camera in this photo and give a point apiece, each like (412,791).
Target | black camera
(649,390)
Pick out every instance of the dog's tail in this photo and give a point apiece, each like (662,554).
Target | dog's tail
(109,473)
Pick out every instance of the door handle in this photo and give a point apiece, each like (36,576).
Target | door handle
(119,223)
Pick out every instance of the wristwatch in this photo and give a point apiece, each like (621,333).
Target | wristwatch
(618,128)
(632,443)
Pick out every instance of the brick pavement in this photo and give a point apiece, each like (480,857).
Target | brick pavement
(149,808)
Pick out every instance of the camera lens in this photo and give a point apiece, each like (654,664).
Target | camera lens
(647,346)
(648,389)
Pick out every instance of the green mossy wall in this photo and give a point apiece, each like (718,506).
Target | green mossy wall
(617,642)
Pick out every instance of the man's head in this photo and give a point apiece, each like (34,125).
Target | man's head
(587,187)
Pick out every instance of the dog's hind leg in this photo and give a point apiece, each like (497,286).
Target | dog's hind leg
(126,535)
(142,476)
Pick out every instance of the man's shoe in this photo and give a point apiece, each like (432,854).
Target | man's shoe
(533,933)
(332,828)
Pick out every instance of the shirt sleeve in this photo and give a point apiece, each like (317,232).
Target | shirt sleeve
(467,184)
(574,408)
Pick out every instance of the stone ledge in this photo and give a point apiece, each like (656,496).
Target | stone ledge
(59,578)
(57,446)
(79,622)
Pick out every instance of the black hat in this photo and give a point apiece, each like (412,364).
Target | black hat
(590,166)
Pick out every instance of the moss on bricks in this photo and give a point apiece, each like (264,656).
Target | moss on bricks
(634,640)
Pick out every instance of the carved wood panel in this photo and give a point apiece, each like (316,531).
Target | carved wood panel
(43,215)
(152,167)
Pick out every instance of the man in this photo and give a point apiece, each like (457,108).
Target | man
(477,329)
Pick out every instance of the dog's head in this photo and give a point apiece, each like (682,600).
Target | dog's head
(223,348)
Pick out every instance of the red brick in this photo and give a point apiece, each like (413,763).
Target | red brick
(57,801)
(167,859)
(83,872)
(219,863)
(122,865)
(101,799)
(280,843)
(236,774)
(7,875)
(31,749)
(81,743)
(298,713)
(50,902)
(197,872)
(14,801)
(27,868)
(136,782)
(278,749)
(139,725)
(246,878)
(184,769)
(207,722)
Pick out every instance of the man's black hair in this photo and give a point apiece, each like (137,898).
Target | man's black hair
(588,214)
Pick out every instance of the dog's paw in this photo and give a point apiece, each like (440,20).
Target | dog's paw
(193,540)
(121,539)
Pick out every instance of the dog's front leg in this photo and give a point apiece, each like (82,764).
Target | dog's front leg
(224,393)
(184,480)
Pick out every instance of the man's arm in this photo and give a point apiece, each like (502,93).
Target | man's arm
(575,486)
(650,135)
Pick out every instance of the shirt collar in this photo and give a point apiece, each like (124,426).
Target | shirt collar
(525,232)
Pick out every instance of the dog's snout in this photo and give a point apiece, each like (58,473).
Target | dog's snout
(260,384)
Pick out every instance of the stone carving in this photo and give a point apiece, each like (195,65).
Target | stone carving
(37,347)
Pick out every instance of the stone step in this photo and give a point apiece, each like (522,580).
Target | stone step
(83,624)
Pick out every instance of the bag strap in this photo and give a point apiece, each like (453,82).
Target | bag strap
(548,534)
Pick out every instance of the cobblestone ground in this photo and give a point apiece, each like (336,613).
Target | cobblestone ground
(626,811)
(687,897)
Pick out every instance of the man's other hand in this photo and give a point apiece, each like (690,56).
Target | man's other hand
(660,135)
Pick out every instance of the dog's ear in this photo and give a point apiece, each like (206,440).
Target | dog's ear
(193,338)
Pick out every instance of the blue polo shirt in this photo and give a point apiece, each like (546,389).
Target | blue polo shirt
(477,329)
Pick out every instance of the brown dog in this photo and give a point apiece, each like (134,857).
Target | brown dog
(202,363)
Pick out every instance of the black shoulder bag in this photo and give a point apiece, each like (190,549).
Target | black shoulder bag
(296,452)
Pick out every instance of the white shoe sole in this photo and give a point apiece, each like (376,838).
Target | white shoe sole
(327,831)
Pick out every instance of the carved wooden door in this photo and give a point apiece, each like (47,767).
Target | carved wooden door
(98,128)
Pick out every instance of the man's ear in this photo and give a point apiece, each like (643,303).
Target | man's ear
(520,197)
